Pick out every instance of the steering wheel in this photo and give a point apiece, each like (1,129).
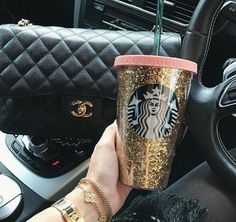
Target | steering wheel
(207,106)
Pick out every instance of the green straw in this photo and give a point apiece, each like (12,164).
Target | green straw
(158,27)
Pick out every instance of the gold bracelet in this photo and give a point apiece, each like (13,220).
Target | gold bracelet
(101,193)
(90,197)
(68,210)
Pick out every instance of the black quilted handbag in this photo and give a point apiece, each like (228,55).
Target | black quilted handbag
(60,82)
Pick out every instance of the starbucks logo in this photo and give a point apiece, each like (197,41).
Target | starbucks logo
(153,111)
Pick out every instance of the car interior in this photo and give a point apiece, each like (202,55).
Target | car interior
(40,170)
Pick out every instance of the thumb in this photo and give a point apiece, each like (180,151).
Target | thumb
(107,141)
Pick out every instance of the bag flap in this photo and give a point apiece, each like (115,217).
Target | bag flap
(36,60)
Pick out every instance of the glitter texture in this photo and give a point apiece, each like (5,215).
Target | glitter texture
(146,163)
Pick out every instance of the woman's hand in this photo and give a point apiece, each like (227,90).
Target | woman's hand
(104,169)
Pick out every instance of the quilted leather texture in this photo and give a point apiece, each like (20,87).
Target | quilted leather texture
(44,69)
(45,116)
(38,60)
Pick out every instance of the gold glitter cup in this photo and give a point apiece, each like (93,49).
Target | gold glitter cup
(152,95)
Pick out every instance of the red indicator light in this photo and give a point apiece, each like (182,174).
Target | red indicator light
(56,163)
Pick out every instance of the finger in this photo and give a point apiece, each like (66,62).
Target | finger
(108,137)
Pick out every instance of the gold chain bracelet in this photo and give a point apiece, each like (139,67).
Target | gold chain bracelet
(101,193)
(91,197)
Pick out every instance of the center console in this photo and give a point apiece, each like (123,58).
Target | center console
(48,157)
(38,179)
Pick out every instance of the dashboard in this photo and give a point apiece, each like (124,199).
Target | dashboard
(134,15)
(140,15)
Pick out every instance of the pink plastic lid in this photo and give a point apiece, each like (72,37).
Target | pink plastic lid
(159,61)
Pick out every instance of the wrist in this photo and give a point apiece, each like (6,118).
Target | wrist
(102,195)
(88,202)
(86,210)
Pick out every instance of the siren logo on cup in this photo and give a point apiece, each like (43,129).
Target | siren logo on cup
(152,111)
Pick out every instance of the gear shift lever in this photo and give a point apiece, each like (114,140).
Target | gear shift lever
(38,146)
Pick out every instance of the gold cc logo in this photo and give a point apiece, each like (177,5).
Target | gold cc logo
(82,108)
